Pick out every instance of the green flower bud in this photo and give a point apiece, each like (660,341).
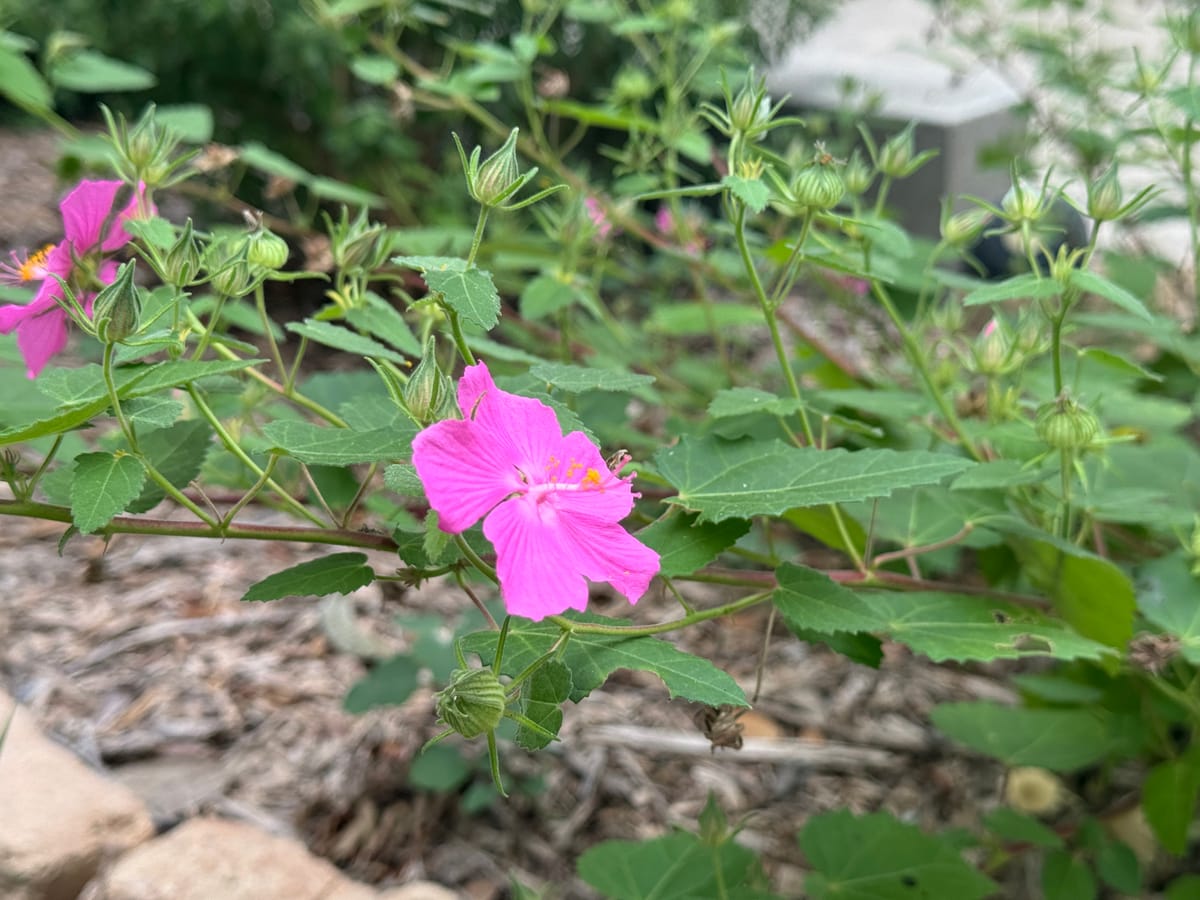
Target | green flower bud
(183,259)
(993,350)
(266,249)
(118,308)
(818,186)
(357,244)
(897,153)
(1066,425)
(226,261)
(963,229)
(1105,197)
(632,86)
(473,703)
(427,388)
(857,175)
(498,173)
(1024,204)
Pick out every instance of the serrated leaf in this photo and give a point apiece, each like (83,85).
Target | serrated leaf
(192,122)
(742,400)
(148,413)
(544,295)
(997,474)
(178,453)
(876,857)
(685,319)
(544,694)
(751,191)
(1018,828)
(684,546)
(593,657)
(340,192)
(70,418)
(723,479)
(138,381)
(337,573)
(1028,287)
(1090,592)
(1091,283)
(577,379)
(469,292)
(257,156)
(1169,796)
(388,684)
(344,339)
(674,867)
(374,68)
(90,72)
(941,626)
(1167,596)
(382,320)
(403,479)
(1063,740)
(101,486)
(329,446)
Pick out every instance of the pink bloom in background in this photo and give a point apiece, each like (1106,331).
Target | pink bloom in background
(41,325)
(553,507)
(595,212)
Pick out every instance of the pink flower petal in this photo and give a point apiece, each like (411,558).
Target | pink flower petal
(39,337)
(462,474)
(521,432)
(601,495)
(535,579)
(84,212)
(605,551)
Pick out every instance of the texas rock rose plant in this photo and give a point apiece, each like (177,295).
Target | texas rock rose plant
(605,370)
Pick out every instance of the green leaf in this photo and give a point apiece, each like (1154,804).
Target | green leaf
(1167,592)
(402,478)
(330,446)
(1063,740)
(340,192)
(1091,283)
(739,401)
(1017,828)
(257,156)
(102,485)
(137,381)
(941,626)
(751,191)
(1028,287)
(544,694)
(382,320)
(545,295)
(440,768)
(577,379)
(723,479)
(70,418)
(686,319)
(876,857)
(1169,796)
(337,573)
(684,545)
(1186,887)
(22,84)
(593,657)
(192,122)
(388,684)
(374,68)
(998,474)
(469,292)
(178,453)
(344,339)
(90,72)
(1065,877)
(1092,594)
(1118,867)
(674,867)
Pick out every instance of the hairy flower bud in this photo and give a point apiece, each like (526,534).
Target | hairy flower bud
(182,261)
(896,155)
(473,703)
(857,175)
(498,173)
(117,309)
(267,249)
(428,390)
(962,229)
(1105,197)
(1066,425)
(226,261)
(818,186)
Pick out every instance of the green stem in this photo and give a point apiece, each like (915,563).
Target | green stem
(260,304)
(206,331)
(460,339)
(473,558)
(233,447)
(477,238)
(703,615)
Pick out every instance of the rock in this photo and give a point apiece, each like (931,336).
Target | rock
(419,890)
(206,859)
(59,820)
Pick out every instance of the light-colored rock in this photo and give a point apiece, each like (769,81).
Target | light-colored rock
(59,820)
(214,859)
(419,890)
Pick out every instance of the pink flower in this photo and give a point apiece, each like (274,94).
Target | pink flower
(553,507)
(596,213)
(41,325)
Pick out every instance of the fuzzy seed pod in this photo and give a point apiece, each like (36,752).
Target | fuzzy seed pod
(473,703)
(1065,425)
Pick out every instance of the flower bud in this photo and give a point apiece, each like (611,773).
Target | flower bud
(473,703)
(428,388)
(1024,204)
(818,186)
(183,259)
(1105,197)
(266,249)
(993,349)
(1066,425)
(229,269)
(963,229)
(751,108)
(498,173)
(896,155)
(857,175)
(117,309)
(357,244)
(632,86)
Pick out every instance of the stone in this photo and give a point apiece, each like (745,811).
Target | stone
(205,859)
(59,820)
